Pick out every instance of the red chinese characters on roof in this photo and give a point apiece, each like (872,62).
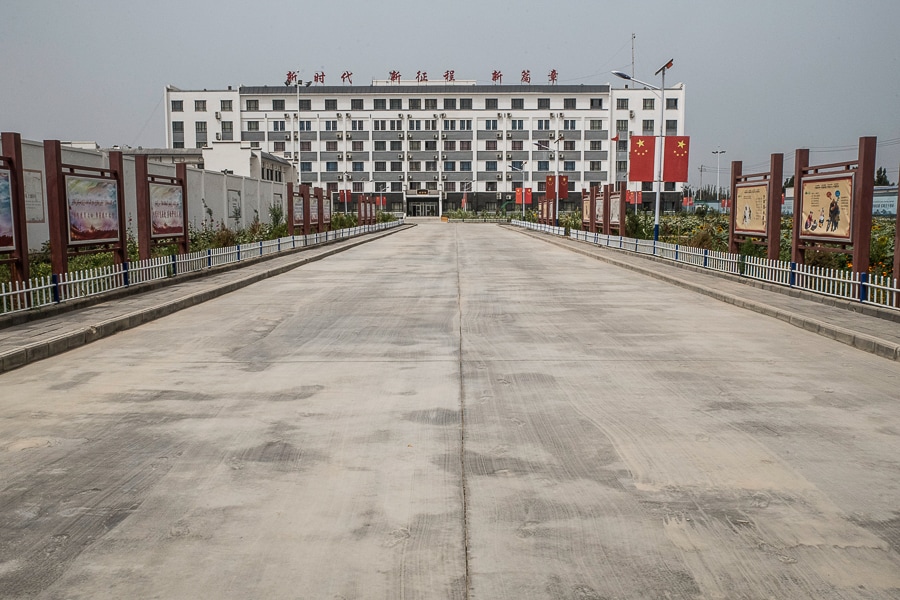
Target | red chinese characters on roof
(347,77)
(552,76)
(395,76)
(449,76)
(319,77)
(526,76)
(497,77)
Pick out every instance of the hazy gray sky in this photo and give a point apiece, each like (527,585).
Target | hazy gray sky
(761,77)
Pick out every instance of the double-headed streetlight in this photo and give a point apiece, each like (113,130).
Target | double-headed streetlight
(521,169)
(546,146)
(662,132)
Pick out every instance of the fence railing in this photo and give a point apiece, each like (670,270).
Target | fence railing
(860,287)
(43,291)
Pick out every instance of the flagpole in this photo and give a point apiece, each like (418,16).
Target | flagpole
(662,133)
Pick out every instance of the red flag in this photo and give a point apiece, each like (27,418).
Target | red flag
(675,163)
(465,195)
(563,187)
(551,188)
(629,197)
(641,158)
(518,195)
(615,139)
(528,196)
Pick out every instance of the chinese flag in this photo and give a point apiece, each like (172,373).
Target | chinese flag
(551,188)
(641,158)
(563,187)
(675,163)
(518,195)
(528,196)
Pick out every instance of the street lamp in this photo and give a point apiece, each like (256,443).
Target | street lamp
(718,152)
(662,132)
(559,138)
(521,170)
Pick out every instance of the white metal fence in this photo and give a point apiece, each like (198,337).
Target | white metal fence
(43,291)
(861,287)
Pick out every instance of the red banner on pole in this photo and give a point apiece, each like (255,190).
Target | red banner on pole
(528,196)
(550,187)
(675,162)
(563,187)
(518,195)
(641,158)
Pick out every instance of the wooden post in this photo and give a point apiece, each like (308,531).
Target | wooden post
(863,189)
(57,211)
(142,196)
(896,246)
(181,175)
(607,206)
(304,195)
(736,172)
(320,199)
(801,162)
(12,151)
(776,190)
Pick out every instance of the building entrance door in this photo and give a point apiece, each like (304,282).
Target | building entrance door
(422,209)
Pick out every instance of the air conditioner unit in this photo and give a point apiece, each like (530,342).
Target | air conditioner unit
(435,136)
(499,135)
(349,156)
(286,115)
(340,156)
(552,155)
(435,157)
(509,135)
(409,116)
(631,113)
(552,115)
(218,136)
(443,157)
(561,115)
(499,196)
(499,175)
(508,176)
(340,177)
(409,177)
(400,155)
(400,135)
(509,156)
(295,135)
(435,177)
(340,135)
(443,115)
(400,176)
(443,136)
(561,155)
(499,155)
(552,135)
(349,177)
(500,115)
(219,115)
(409,136)
(508,115)
(444,177)
(349,136)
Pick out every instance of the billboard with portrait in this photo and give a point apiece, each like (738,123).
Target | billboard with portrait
(615,208)
(826,204)
(93,209)
(298,211)
(7,223)
(166,210)
(751,201)
(313,211)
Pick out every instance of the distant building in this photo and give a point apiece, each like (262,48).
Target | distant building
(427,146)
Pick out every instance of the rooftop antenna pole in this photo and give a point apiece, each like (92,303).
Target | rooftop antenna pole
(632,55)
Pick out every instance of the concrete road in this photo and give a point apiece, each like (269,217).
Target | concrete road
(455,411)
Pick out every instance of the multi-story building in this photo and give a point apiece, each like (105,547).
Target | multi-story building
(431,146)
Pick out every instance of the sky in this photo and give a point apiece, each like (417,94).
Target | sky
(760,77)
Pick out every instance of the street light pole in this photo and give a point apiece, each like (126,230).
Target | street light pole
(662,133)
(718,153)
(521,170)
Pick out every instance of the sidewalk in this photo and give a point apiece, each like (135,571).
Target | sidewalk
(868,328)
(90,320)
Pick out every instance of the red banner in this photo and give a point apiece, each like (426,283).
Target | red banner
(528,196)
(518,195)
(563,187)
(675,161)
(641,158)
(551,188)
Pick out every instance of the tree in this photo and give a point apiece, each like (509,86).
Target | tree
(789,182)
(881,177)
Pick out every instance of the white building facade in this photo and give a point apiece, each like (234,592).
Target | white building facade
(430,146)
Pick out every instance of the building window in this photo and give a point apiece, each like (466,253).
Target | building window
(202,144)
(331,146)
(517,103)
(568,165)
(597,103)
(396,165)
(543,165)
(277,125)
(649,103)
(331,126)
(569,124)
(596,145)
(415,165)
(491,186)
(517,165)
(569,103)
(544,103)
(449,145)
(177,126)
(379,125)
(357,146)
(305,146)
(178,144)
(396,145)
(449,125)
(357,125)
(517,145)
(490,165)
(450,186)
(279,146)
(430,125)
(253,105)
(596,165)
(465,124)
(415,145)
(542,186)
(622,125)
(379,104)
(200,105)
(465,165)
(596,124)
(490,145)
(305,104)
(415,125)
(380,166)
(431,166)
(415,104)
(358,166)
(356,104)
(330,104)
(465,104)
(304,125)
(465,145)
(358,187)
(227,129)
(671,127)
(380,145)
(647,126)
(568,144)
(490,124)
(449,165)
(225,105)
(449,103)
(671,103)
(396,104)
(177,106)
(517,124)
(306,167)
(622,146)
(621,103)
(491,103)
(669,186)
(252,125)
(430,103)
(621,165)
(278,104)
(331,166)
(647,186)
(543,124)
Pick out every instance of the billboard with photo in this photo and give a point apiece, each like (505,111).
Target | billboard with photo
(7,223)
(313,211)
(298,211)
(93,209)
(615,208)
(826,204)
(166,210)
(751,202)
